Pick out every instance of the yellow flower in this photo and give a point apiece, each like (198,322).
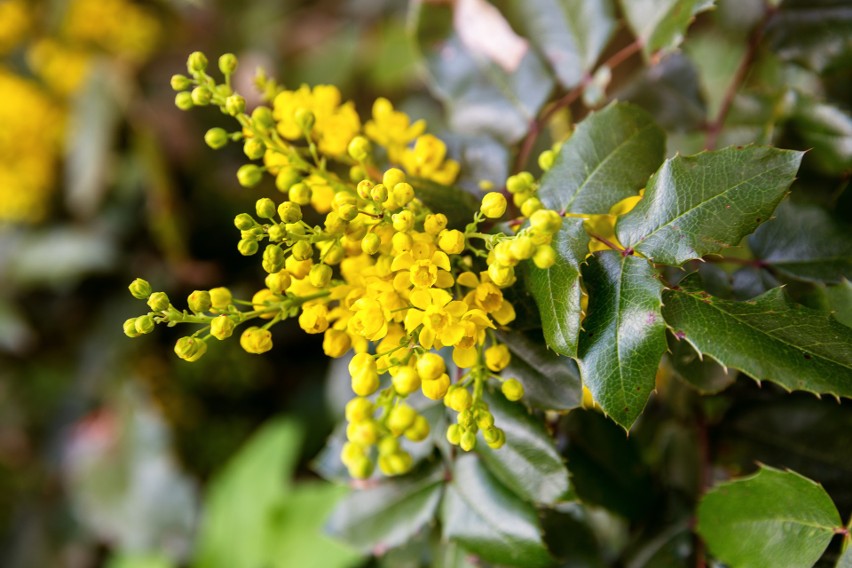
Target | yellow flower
(256,340)
(427,160)
(439,315)
(369,319)
(314,318)
(424,272)
(392,129)
(334,124)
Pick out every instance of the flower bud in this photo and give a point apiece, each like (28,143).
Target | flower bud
(140,289)
(227,63)
(451,241)
(180,82)
(265,208)
(222,327)
(546,159)
(401,418)
(201,96)
(278,282)
(454,433)
(220,298)
(244,222)
(158,301)
(285,179)
(183,100)
(235,105)
(436,389)
(520,182)
(304,119)
(370,243)
(501,275)
(544,256)
(418,431)
(300,194)
(262,117)
(493,205)
(530,206)
(363,188)
(434,224)
(497,357)
(302,250)
(430,366)
(254,149)
(290,212)
(545,221)
(130,328)
(458,399)
(403,221)
(196,62)
(403,193)
(216,138)
(199,301)
(320,275)
(405,380)
(494,437)
(513,389)
(277,232)
(359,409)
(190,348)
(468,441)
(392,177)
(522,247)
(247,247)
(379,193)
(256,340)
(249,175)
(359,148)
(335,343)
(273,259)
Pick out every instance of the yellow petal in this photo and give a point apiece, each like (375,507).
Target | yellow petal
(445,279)
(468,280)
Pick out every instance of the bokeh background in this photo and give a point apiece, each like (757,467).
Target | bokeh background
(113,451)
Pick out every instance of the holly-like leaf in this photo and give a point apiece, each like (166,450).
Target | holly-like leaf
(660,25)
(389,514)
(528,462)
(813,33)
(551,382)
(702,373)
(489,520)
(557,290)
(773,519)
(696,205)
(624,335)
(805,243)
(491,83)
(609,157)
(769,338)
(571,34)
(840,301)
(828,131)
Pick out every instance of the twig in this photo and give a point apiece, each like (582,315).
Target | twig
(568,99)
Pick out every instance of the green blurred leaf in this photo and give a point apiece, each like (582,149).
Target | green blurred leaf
(481,95)
(769,338)
(570,537)
(660,25)
(557,290)
(696,205)
(702,373)
(489,520)
(457,204)
(609,157)
(827,130)
(804,242)
(813,33)
(840,300)
(390,513)
(716,56)
(550,382)
(623,335)
(774,518)
(139,561)
(571,34)
(606,466)
(528,462)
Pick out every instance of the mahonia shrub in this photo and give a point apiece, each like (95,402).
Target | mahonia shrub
(489,336)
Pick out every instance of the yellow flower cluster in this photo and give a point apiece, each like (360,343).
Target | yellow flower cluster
(29,147)
(371,267)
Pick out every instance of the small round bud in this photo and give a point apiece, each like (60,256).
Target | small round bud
(220,298)
(522,247)
(497,357)
(401,418)
(196,62)
(190,348)
(348,212)
(546,159)
(363,188)
(180,82)
(468,441)
(249,175)
(546,221)
(544,256)
(454,433)
(418,431)
(451,241)
(158,301)
(430,366)
(262,117)
(493,205)
(403,193)
(494,437)
(405,380)
(265,208)
(300,194)
(256,340)
(320,275)
(379,193)
(201,96)
(278,282)
(501,275)
(244,222)
(305,119)
(273,259)
(458,399)
(227,63)
(513,389)
(140,289)
(285,179)
(216,138)
(290,212)
(370,243)
(199,301)
(332,253)
(484,420)
(222,327)
(359,409)
(130,328)
(359,148)
(392,177)
(434,224)
(530,206)
(254,149)
(335,343)
(403,221)
(436,389)
(183,100)
(247,247)
(361,468)
(235,104)
(520,182)
(277,232)
(302,250)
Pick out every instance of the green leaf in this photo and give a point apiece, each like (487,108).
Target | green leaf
(550,382)
(805,243)
(840,300)
(660,25)
(813,33)
(696,205)
(609,157)
(457,204)
(774,518)
(489,520)
(571,34)
(482,92)
(389,514)
(528,462)
(702,373)
(716,56)
(769,338)
(606,466)
(570,537)
(624,335)
(827,130)
(557,290)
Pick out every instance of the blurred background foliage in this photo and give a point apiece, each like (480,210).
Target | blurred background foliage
(115,453)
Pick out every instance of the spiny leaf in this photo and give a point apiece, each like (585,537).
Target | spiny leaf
(489,520)
(696,205)
(571,34)
(769,338)
(557,290)
(609,157)
(624,335)
(660,25)
(773,519)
